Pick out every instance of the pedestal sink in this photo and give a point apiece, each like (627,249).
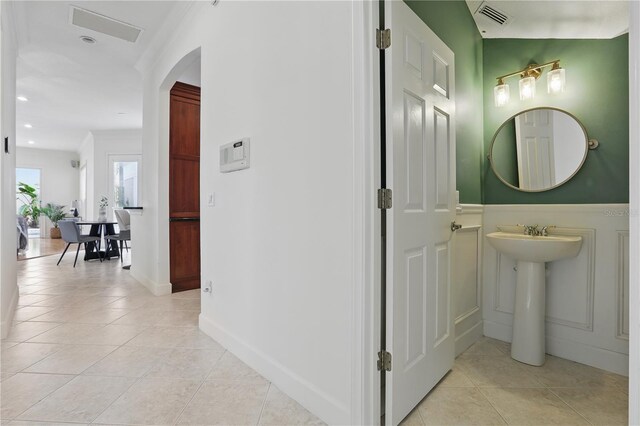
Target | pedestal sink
(531,252)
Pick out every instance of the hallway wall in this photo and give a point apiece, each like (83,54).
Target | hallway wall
(8,283)
(278,245)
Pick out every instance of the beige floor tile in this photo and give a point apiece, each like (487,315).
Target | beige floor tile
(151,402)
(66,333)
(496,371)
(21,391)
(128,361)
(23,355)
(141,317)
(28,312)
(62,314)
(4,376)
(485,347)
(531,407)
(131,302)
(194,338)
(189,294)
(60,300)
(72,359)
(229,403)
(80,400)
(96,302)
(600,406)
(179,318)
(57,290)
(100,316)
(279,409)
(29,299)
(455,379)
(412,419)
(186,363)
(231,369)
(558,372)
(458,406)
(164,337)
(28,330)
(113,334)
(169,304)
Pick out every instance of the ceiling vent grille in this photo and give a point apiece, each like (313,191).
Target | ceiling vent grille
(103,24)
(493,14)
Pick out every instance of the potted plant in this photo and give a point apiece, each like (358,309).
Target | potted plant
(55,213)
(30,207)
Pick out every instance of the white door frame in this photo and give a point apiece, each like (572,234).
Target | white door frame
(634,209)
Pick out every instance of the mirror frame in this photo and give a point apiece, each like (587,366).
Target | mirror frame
(584,158)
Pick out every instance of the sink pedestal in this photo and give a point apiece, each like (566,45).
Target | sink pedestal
(527,342)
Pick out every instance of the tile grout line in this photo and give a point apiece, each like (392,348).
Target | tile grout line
(569,405)
(264,403)
(493,406)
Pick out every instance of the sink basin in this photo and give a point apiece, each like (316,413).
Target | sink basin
(535,249)
(531,253)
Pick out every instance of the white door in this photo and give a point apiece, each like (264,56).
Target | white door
(534,146)
(421,171)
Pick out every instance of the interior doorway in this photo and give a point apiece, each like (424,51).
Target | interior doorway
(184,187)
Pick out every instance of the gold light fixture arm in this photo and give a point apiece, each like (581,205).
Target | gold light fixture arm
(533,70)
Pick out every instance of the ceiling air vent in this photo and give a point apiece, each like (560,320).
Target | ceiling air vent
(103,24)
(493,14)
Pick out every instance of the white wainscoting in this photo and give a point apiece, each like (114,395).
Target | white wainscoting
(467,277)
(587,296)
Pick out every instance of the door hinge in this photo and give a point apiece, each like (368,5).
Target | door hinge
(383,38)
(384,198)
(384,361)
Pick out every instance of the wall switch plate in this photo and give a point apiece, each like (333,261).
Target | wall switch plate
(208,286)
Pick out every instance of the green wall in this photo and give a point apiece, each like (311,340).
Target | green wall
(597,93)
(452,22)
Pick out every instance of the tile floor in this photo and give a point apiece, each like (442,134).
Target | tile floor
(90,345)
(487,387)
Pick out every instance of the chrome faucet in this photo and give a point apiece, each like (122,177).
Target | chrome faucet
(535,232)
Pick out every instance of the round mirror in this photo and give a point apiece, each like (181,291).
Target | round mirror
(538,149)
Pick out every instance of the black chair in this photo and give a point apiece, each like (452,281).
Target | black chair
(71,234)
(124,235)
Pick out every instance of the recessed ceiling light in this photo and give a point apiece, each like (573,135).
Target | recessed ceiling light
(28,126)
(22,98)
(88,39)
(30,142)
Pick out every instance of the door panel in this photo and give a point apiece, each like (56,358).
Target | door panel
(421,171)
(184,187)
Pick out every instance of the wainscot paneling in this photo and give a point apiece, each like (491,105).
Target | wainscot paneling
(587,304)
(467,276)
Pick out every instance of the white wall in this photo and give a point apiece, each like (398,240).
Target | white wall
(587,296)
(58,180)
(8,285)
(95,151)
(467,277)
(279,244)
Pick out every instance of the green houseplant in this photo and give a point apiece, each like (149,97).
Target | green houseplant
(55,213)
(30,207)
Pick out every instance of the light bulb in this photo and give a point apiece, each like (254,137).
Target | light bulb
(555,80)
(527,88)
(501,94)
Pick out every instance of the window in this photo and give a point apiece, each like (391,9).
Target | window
(125,182)
(26,205)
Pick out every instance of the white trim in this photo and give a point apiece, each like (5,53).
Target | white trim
(310,397)
(157,289)
(7,318)
(634,204)
(468,337)
(604,359)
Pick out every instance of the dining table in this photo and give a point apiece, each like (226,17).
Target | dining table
(100,229)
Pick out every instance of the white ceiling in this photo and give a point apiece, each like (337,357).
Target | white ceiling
(555,19)
(74,87)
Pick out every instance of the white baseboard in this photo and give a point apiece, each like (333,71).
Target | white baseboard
(8,314)
(468,338)
(156,289)
(306,394)
(604,359)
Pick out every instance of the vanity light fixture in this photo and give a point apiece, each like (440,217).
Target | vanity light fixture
(527,83)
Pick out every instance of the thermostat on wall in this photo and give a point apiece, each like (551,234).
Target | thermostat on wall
(234,155)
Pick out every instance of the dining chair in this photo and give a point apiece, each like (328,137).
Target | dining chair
(70,232)
(124,233)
